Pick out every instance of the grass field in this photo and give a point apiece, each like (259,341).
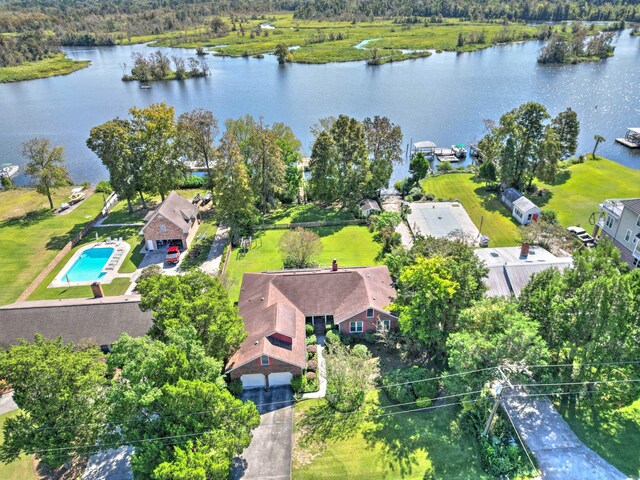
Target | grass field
(393,41)
(613,434)
(309,212)
(31,235)
(21,469)
(575,195)
(57,64)
(350,245)
(402,446)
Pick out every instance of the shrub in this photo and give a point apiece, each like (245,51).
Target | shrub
(370,337)
(403,391)
(423,402)
(104,187)
(148,272)
(235,387)
(312,349)
(430,197)
(310,376)
(191,181)
(312,365)
(311,340)
(332,338)
(6,182)
(444,167)
(309,329)
(311,356)
(299,384)
(360,351)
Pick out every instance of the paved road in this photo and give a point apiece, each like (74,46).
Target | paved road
(269,455)
(559,452)
(393,203)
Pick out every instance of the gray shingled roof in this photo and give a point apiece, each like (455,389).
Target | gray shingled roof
(632,204)
(368,204)
(511,195)
(100,320)
(176,209)
(524,204)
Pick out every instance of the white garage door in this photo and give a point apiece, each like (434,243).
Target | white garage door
(254,380)
(281,378)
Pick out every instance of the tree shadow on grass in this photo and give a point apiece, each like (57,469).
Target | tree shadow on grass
(324,424)
(562,177)
(28,219)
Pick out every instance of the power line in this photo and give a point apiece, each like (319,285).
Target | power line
(524,447)
(585,382)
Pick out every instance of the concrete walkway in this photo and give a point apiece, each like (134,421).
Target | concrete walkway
(559,452)
(393,203)
(7,404)
(322,372)
(212,264)
(100,223)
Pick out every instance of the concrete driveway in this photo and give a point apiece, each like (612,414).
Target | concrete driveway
(269,455)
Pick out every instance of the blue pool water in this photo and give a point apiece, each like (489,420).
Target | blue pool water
(89,265)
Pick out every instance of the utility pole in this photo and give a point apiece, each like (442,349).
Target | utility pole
(494,410)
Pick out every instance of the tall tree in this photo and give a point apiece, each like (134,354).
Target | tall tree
(234,199)
(197,131)
(267,168)
(599,139)
(324,170)
(195,299)
(172,388)
(282,53)
(351,160)
(111,143)
(154,144)
(60,390)
(567,128)
(419,166)
(384,142)
(45,166)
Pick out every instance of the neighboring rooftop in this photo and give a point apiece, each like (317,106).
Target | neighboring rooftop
(509,272)
(632,204)
(176,209)
(511,195)
(524,204)
(100,320)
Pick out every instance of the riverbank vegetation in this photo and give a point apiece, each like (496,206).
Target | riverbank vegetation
(157,66)
(585,44)
(56,64)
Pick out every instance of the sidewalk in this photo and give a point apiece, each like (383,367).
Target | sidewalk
(322,373)
(393,204)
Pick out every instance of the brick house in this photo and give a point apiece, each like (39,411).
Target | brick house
(276,306)
(174,222)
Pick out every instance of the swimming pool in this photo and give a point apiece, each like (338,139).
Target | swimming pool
(88,267)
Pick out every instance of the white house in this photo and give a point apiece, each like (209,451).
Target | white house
(368,207)
(525,211)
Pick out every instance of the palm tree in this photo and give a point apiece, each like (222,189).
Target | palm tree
(599,139)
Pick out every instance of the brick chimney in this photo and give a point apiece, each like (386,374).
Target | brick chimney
(334,265)
(524,250)
(96,288)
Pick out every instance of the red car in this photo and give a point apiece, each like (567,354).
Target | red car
(173,255)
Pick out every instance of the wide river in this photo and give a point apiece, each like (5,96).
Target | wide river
(443,98)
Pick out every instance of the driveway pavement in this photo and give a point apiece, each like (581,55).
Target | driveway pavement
(269,455)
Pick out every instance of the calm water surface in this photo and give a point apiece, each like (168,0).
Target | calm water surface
(443,98)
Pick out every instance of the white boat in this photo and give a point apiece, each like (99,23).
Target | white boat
(459,150)
(9,170)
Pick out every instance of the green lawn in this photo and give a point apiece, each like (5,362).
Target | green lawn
(31,239)
(482,206)
(403,446)
(575,195)
(309,212)
(21,469)
(117,287)
(351,245)
(613,434)
(57,64)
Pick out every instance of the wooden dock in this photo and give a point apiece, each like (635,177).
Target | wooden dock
(627,143)
(448,158)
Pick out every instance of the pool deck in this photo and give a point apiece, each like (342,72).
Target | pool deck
(120,251)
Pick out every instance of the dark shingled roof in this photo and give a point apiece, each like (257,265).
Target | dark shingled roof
(176,209)
(511,195)
(277,302)
(632,204)
(100,320)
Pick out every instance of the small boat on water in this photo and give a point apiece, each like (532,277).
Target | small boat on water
(10,171)
(145,86)
(631,139)
(459,150)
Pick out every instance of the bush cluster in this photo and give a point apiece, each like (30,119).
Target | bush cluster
(418,391)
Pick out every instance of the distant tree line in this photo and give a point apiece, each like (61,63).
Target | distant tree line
(26,47)
(584,44)
(157,66)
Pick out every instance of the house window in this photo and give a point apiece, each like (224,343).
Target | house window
(355,327)
(529,217)
(369,312)
(163,228)
(636,262)
(328,320)
(609,223)
(518,213)
(638,221)
(384,325)
(264,360)
(627,236)
(308,320)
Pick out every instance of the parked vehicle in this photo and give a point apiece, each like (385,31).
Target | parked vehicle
(76,198)
(581,234)
(173,255)
(196,199)
(63,207)
(206,199)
